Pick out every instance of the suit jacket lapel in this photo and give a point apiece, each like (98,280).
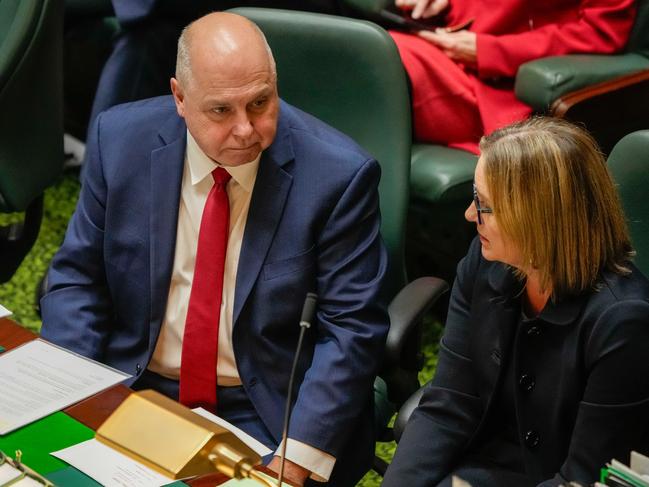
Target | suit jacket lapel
(266,207)
(166,179)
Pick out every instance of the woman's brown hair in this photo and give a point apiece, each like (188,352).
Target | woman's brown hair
(553,196)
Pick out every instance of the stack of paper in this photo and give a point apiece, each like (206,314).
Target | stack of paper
(4,312)
(617,474)
(38,378)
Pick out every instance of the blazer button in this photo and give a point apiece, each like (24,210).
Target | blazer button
(495,356)
(532,439)
(252,381)
(138,368)
(534,331)
(526,382)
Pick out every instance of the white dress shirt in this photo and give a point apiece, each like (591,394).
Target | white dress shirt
(197,183)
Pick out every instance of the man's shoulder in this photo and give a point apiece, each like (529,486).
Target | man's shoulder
(312,134)
(157,108)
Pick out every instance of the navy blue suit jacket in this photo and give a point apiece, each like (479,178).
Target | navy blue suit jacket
(580,382)
(313,225)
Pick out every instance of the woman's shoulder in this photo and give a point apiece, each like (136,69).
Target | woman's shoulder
(617,315)
(614,287)
(620,304)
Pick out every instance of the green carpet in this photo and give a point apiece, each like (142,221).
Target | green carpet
(18,295)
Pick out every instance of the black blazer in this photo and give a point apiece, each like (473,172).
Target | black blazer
(586,359)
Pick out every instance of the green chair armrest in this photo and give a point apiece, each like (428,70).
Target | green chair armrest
(440,173)
(542,81)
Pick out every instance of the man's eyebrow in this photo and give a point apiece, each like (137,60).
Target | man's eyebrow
(266,91)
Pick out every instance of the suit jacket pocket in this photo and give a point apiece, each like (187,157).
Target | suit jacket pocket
(290,265)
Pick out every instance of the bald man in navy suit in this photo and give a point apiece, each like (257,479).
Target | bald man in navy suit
(304,216)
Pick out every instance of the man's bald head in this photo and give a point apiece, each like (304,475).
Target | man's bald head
(226,88)
(221,39)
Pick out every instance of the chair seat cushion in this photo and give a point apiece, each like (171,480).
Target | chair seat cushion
(439,173)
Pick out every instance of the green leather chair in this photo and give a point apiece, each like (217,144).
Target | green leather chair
(629,165)
(348,73)
(609,94)
(31,134)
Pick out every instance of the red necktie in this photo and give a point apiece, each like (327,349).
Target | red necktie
(200,340)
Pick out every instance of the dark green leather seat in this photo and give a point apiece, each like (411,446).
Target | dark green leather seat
(608,93)
(31,134)
(629,165)
(348,73)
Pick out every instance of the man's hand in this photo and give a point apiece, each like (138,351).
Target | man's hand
(459,46)
(292,471)
(422,8)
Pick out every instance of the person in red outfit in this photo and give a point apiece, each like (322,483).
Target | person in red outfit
(463,82)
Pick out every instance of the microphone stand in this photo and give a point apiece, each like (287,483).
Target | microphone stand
(308,313)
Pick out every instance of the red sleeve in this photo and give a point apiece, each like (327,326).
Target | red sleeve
(602,26)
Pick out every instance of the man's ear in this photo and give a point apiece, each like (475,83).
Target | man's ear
(179,96)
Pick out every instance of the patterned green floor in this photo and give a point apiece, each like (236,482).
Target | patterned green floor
(18,295)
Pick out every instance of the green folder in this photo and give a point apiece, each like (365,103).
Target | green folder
(71,477)
(38,439)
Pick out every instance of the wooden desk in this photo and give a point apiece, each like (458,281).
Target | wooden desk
(12,335)
(95,410)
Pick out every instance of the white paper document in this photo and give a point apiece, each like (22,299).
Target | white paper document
(4,312)
(38,378)
(256,446)
(9,474)
(109,467)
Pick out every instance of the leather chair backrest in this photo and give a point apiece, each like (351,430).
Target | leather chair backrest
(639,38)
(31,99)
(629,165)
(348,73)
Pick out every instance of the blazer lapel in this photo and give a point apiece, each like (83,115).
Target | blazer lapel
(166,179)
(266,207)
(497,323)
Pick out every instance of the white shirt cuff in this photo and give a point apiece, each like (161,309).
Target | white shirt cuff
(319,463)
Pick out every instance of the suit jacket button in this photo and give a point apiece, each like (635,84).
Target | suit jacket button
(534,331)
(138,368)
(252,381)
(526,382)
(532,439)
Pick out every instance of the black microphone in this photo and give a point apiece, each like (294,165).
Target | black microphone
(308,313)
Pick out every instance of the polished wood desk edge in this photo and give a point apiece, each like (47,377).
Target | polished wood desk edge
(13,335)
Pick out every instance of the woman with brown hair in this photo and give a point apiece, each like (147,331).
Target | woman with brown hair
(543,374)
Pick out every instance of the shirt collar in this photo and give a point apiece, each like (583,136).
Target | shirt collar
(201,166)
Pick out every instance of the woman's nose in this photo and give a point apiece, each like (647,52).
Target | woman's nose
(470,213)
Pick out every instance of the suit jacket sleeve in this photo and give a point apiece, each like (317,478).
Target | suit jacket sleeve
(450,409)
(611,419)
(76,310)
(602,26)
(352,320)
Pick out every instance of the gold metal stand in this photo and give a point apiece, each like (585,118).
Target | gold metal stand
(173,440)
